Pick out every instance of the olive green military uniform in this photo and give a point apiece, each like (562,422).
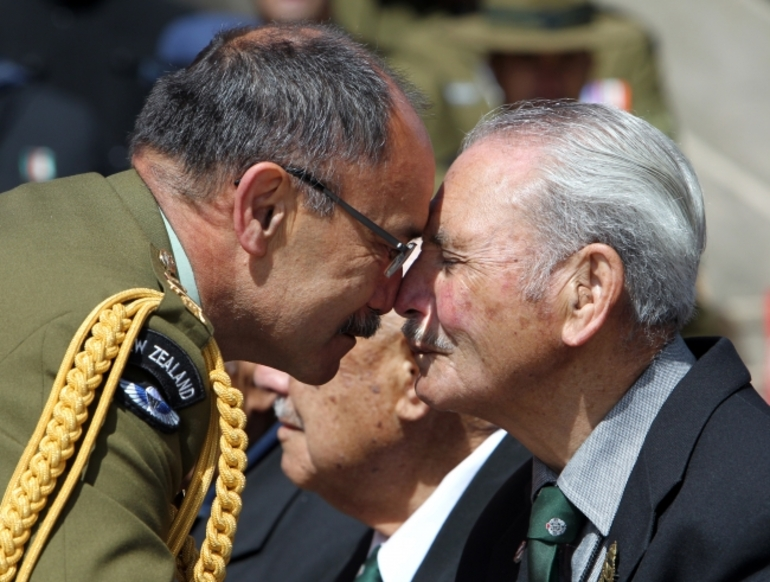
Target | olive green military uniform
(65,246)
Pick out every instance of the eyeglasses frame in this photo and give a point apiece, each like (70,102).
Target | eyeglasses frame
(404,249)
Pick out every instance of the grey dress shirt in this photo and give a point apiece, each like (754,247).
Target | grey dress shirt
(596,476)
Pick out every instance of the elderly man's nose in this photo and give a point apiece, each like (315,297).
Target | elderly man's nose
(385,294)
(413,293)
(271,379)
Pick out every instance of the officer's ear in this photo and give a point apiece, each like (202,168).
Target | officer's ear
(260,206)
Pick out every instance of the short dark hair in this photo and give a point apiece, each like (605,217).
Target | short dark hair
(300,95)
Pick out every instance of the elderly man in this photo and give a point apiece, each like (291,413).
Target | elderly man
(277,182)
(286,533)
(373,450)
(559,264)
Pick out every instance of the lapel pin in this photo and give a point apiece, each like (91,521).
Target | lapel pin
(609,568)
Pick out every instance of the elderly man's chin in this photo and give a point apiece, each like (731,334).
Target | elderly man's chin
(295,462)
(434,386)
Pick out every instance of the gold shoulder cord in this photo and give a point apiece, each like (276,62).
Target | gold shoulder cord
(110,330)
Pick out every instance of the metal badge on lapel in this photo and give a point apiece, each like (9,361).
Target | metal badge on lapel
(173,281)
(520,552)
(610,564)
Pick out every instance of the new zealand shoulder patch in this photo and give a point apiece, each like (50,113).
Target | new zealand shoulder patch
(178,379)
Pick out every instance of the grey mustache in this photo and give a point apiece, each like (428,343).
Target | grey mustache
(426,338)
(285,412)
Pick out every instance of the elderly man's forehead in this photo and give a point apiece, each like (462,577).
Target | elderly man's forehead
(492,171)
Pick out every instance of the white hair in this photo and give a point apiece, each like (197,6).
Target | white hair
(607,176)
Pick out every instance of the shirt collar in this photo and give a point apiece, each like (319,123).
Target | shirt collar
(183,266)
(596,476)
(402,553)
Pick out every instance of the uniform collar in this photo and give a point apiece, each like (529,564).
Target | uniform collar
(183,266)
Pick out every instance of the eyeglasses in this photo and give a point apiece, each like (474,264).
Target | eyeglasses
(403,251)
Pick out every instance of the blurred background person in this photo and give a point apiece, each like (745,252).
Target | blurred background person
(183,38)
(368,445)
(92,50)
(514,50)
(45,133)
(556,49)
(284,533)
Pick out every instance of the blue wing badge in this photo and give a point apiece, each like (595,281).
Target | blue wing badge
(148,403)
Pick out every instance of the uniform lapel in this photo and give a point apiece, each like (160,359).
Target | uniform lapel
(663,460)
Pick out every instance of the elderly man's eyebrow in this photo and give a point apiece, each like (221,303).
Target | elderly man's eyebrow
(440,239)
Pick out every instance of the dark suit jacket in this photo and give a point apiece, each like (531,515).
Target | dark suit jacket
(286,534)
(696,506)
(441,561)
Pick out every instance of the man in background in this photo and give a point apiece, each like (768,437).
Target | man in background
(94,51)
(370,447)
(45,133)
(284,533)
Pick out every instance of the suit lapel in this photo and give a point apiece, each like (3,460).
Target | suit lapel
(441,561)
(663,460)
(502,526)
(354,564)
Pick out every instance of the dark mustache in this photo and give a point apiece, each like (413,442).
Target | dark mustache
(363,325)
(428,338)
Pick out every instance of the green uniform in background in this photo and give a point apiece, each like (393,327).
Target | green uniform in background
(65,246)
(446,57)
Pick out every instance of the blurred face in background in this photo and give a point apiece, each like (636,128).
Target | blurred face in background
(258,384)
(293,10)
(524,76)
(345,429)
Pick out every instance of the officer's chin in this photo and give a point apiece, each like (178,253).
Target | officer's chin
(319,368)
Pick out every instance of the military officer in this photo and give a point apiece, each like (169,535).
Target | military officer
(277,183)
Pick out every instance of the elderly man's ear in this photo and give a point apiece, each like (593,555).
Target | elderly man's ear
(595,287)
(260,206)
(409,407)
